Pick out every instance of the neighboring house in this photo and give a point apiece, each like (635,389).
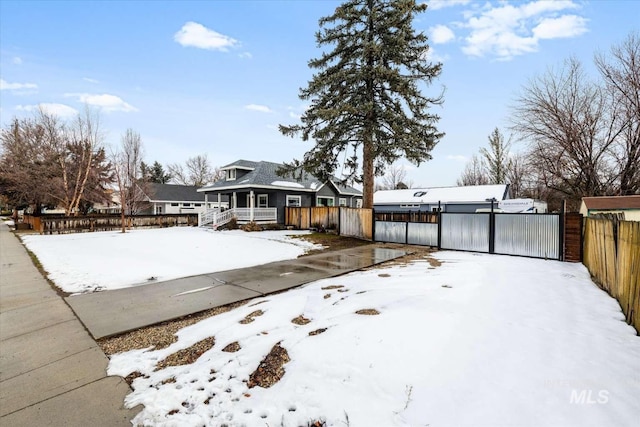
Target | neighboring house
(162,199)
(449,199)
(256,185)
(626,207)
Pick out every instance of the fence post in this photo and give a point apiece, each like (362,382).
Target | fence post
(373,224)
(406,232)
(439,227)
(561,231)
(492,230)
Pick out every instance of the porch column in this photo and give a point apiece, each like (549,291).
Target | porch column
(234,200)
(219,204)
(206,201)
(251,205)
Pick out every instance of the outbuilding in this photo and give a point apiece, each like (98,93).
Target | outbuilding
(448,199)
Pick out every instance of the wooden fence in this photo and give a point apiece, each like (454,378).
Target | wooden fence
(78,224)
(351,222)
(612,255)
(429,217)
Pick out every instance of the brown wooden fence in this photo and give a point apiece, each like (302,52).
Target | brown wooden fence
(78,224)
(612,255)
(429,217)
(348,221)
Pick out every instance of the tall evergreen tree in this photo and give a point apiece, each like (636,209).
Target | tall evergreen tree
(496,158)
(366,95)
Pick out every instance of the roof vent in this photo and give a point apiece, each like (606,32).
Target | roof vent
(419,193)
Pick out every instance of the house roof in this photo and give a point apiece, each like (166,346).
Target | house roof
(174,193)
(467,194)
(241,164)
(263,175)
(612,202)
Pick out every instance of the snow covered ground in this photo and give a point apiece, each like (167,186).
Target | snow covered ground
(87,262)
(479,341)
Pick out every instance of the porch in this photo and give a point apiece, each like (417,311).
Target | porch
(216,217)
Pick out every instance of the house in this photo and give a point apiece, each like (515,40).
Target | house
(625,207)
(161,199)
(256,191)
(448,199)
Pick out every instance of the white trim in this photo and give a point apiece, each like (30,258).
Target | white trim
(333,200)
(293,196)
(342,201)
(258,201)
(246,168)
(248,186)
(228,174)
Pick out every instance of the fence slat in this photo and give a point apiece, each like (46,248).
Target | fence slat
(612,255)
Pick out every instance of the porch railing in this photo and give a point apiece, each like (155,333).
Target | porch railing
(216,218)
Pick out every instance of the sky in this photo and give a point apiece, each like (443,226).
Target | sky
(218,77)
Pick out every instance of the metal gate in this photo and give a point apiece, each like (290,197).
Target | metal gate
(465,231)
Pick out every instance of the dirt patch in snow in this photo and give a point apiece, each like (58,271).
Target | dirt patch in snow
(317,332)
(271,369)
(300,320)
(232,348)
(368,312)
(326,288)
(251,316)
(187,355)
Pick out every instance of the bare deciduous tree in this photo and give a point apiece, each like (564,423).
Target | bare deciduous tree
(48,161)
(196,171)
(621,74)
(474,173)
(569,124)
(395,179)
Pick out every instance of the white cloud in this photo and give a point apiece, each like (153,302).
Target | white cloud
(458,158)
(257,107)
(294,115)
(245,55)
(61,110)
(563,27)
(441,34)
(17,60)
(87,79)
(441,4)
(105,101)
(5,85)
(509,29)
(197,35)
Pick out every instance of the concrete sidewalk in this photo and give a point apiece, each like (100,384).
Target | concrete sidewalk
(109,313)
(52,373)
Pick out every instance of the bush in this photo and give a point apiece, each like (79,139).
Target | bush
(251,226)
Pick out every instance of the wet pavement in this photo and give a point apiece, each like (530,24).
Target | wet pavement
(113,312)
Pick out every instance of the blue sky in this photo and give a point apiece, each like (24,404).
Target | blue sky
(217,77)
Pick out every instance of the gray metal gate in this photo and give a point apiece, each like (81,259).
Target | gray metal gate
(534,235)
(465,232)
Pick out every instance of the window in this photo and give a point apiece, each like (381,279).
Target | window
(342,201)
(263,200)
(186,205)
(197,205)
(358,203)
(324,201)
(294,201)
(174,205)
(231,175)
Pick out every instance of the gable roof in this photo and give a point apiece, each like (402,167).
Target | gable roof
(612,202)
(466,194)
(263,175)
(173,193)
